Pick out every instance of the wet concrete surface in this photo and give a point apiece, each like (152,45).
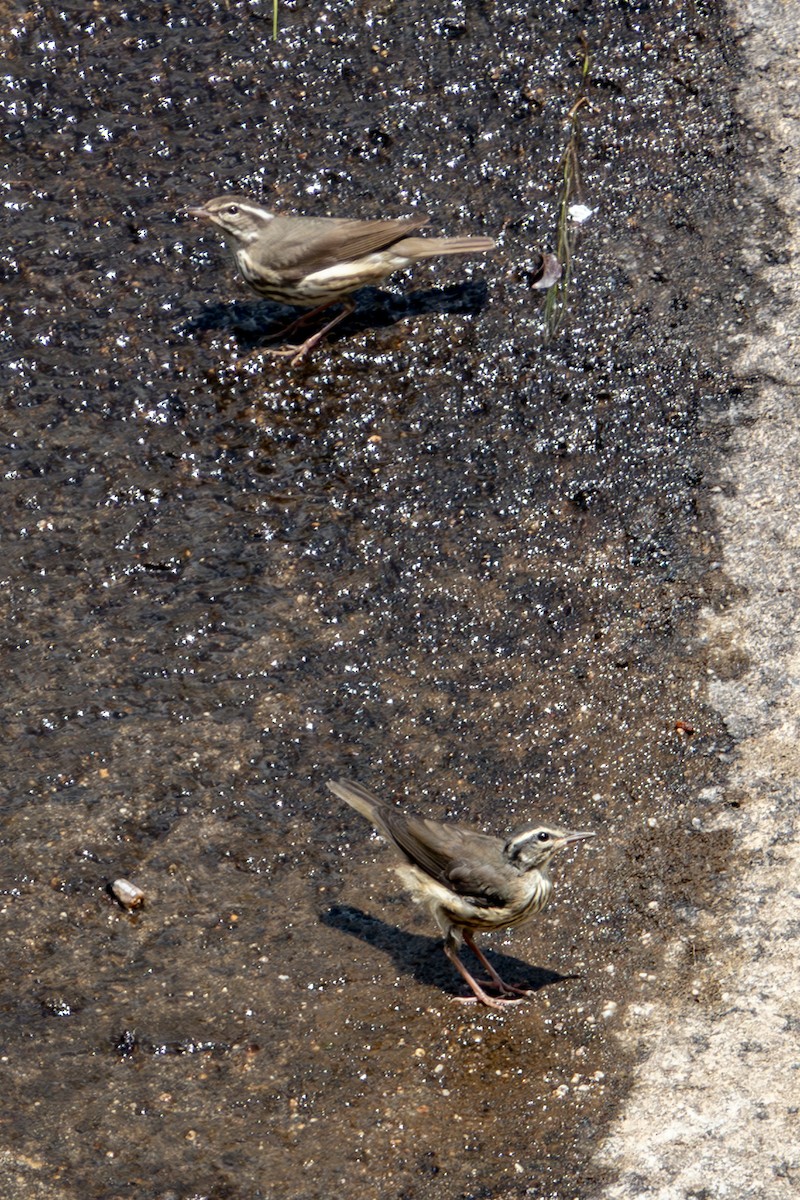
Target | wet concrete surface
(447,557)
(729,1064)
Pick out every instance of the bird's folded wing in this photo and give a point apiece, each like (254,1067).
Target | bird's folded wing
(480,882)
(460,859)
(300,246)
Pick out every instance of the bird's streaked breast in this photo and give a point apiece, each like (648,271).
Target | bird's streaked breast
(531,898)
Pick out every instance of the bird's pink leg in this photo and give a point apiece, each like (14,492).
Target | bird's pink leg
(299,352)
(308,315)
(480,995)
(496,980)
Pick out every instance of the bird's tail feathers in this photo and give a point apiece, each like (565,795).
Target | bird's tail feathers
(358,798)
(417,248)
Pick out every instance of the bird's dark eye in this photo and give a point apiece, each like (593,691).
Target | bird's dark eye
(233,210)
(543,836)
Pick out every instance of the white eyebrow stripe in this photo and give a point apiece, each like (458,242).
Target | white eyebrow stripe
(252,210)
(526,836)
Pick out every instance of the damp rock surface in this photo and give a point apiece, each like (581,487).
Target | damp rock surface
(449,556)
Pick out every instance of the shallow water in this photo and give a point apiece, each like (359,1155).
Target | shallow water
(445,557)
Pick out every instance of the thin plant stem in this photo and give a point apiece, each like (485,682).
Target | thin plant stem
(555,307)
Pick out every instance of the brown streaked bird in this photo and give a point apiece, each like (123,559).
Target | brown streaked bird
(313,262)
(469,881)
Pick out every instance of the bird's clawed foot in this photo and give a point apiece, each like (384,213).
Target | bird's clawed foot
(498,1003)
(506,989)
(296,353)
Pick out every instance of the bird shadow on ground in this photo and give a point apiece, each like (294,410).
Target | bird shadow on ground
(422,957)
(253,323)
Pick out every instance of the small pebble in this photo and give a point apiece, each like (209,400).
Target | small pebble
(127,893)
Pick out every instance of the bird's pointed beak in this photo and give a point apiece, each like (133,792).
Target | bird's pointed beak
(198,212)
(579,836)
